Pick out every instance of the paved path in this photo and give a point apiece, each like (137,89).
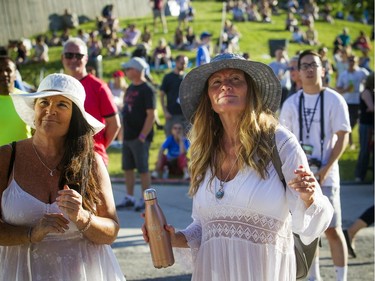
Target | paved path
(135,260)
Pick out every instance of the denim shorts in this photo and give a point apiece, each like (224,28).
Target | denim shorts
(135,155)
(333,194)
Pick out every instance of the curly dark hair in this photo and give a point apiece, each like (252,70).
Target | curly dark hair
(78,166)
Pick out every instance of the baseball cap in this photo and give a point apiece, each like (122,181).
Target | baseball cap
(136,63)
(205,34)
(118,73)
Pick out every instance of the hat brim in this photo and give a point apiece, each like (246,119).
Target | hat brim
(193,84)
(24,105)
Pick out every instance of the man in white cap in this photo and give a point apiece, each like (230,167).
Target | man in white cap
(99,101)
(138,119)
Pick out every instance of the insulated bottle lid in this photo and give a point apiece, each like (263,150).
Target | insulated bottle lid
(149,194)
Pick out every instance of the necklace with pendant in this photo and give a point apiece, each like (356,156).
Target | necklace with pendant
(220,193)
(51,171)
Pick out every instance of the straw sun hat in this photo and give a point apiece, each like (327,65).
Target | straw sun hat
(54,85)
(192,86)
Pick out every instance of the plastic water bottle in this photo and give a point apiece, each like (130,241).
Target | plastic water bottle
(159,238)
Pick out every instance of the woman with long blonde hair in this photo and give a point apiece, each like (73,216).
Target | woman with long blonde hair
(242,223)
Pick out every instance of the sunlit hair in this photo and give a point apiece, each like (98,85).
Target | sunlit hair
(78,42)
(78,165)
(256,127)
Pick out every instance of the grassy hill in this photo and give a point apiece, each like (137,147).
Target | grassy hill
(208,17)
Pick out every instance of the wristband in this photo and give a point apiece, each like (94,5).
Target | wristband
(87,224)
(142,136)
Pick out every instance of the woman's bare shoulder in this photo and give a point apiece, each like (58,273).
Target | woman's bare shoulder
(5,153)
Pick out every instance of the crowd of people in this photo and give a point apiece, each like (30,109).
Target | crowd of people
(218,121)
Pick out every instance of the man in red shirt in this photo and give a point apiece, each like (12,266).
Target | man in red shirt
(99,101)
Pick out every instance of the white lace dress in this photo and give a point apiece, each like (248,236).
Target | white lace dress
(59,257)
(247,235)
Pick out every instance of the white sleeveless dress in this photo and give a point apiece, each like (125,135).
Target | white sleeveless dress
(59,257)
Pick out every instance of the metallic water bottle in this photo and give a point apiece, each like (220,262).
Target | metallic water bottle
(159,238)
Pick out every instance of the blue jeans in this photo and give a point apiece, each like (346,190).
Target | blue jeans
(366,132)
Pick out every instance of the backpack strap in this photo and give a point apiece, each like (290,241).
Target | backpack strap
(12,157)
(276,161)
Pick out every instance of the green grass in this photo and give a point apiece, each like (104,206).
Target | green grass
(254,40)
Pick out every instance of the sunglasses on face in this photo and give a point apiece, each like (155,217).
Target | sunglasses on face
(70,56)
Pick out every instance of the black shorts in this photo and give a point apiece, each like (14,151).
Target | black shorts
(135,155)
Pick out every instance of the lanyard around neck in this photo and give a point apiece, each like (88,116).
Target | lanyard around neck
(301,108)
(308,122)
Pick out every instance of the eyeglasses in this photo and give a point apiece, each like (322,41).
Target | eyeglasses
(292,68)
(177,128)
(306,66)
(70,56)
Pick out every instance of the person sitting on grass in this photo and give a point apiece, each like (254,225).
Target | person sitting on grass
(175,161)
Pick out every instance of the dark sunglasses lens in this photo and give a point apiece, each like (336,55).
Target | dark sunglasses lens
(69,56)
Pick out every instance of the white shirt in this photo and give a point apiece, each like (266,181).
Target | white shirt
(336,118)
(356,79)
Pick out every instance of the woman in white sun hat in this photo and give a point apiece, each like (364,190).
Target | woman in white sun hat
(57,210)
(242,227)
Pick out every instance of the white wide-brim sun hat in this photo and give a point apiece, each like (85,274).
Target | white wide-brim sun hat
(54,85)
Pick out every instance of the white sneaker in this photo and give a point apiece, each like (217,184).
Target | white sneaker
(125,203)
(140,205)
(155,175)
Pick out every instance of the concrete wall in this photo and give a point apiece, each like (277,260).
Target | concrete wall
(24,18)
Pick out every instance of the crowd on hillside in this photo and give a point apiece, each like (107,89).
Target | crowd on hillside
(110,39)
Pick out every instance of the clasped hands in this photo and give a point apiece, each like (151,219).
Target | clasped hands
(70,203)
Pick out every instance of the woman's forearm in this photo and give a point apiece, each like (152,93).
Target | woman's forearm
(179,240)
